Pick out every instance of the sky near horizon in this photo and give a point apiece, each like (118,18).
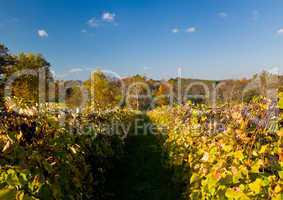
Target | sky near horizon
(207,39)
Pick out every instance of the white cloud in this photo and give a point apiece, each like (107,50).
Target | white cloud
(175,30)
(42,33)
(191,30)
(74,70)
(108,17)
(223,14)
(53,72)
(92,22)
(84,31)
(280,31)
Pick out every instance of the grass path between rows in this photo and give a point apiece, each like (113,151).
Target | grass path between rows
(141,175)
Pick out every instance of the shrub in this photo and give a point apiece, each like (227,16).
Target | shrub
(232,152)
(42,160)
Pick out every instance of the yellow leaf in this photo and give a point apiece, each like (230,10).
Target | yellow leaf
(263,149)
(239,155)
(256,186)
(278,189)
(8,194)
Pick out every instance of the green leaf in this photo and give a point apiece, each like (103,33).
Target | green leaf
(12,178)
(194,177)
(8,194)
(47,166)
(45,193)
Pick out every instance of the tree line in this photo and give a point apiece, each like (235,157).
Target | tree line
(102,91)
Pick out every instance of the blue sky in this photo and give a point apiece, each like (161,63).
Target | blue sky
(210,39)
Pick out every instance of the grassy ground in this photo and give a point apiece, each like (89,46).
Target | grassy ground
(141,175)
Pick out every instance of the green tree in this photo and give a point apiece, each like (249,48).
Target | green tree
(6,60)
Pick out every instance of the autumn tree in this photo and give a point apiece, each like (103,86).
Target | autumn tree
(104,93)
(138,95)
(163,95)
(74,97)
(32,74)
